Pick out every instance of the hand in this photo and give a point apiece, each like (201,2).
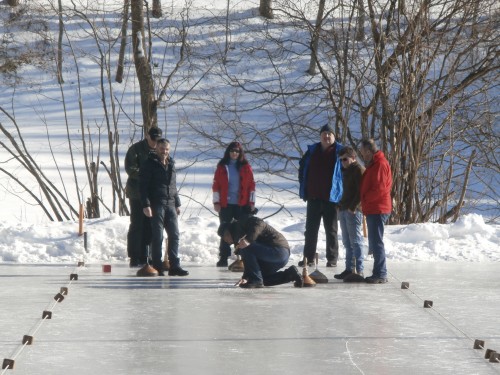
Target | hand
(217,207)
(178,210)
(241,282)
(147,211)
(242,244)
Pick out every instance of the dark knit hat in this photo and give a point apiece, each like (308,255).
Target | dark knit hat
(155,133)
(326,128)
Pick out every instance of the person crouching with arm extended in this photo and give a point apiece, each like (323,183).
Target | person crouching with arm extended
(264,252)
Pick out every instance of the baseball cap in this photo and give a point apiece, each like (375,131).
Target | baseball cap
(155,133)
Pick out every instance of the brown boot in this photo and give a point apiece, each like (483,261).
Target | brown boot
(237,265)
(147,271)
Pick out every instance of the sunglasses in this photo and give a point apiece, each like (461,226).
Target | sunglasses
(235,150)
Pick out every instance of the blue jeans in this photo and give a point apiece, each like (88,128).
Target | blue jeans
(263,262)
(375,224)
(352,238)
(164,218)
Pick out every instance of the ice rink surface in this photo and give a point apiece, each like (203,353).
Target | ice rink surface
(117,323)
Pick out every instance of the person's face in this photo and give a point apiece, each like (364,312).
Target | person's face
(366,154)
(163,150)
(227,238)
(346,160)
(327,139)
(234,153)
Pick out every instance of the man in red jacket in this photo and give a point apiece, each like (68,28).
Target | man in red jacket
(376,204)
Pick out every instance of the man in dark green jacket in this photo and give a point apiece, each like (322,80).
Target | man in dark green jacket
(139,231)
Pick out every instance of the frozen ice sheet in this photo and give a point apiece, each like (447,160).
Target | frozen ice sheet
(117,323)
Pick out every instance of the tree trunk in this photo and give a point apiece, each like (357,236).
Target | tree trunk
(315,38)
(402,7)
(226,46)
(60,78)
(123,42)
(142,67)
(360,25)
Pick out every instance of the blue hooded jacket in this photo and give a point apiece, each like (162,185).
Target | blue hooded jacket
(336,191)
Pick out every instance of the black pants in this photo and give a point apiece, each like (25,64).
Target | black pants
(226,214)
(139,233)
(316,210)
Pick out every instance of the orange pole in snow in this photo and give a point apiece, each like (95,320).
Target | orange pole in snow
(80,221)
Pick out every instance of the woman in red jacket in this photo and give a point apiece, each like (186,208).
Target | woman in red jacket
(233,191)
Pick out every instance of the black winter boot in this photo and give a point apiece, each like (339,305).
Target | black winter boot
(295,276)
(177,271)
(222,262)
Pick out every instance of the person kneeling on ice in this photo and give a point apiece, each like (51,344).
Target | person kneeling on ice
(264,252)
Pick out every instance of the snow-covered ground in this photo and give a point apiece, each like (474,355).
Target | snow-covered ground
(469,239)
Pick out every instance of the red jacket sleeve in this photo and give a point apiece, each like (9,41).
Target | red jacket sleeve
(220,180)
(247,187)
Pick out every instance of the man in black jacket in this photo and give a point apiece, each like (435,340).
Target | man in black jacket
(139,231)
(263,250)
(160,202)
(350,216)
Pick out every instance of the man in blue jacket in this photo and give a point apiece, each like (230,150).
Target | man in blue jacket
(160,202)
(320,179)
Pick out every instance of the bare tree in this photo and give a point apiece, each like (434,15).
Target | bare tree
(360,25)
(123,41)
(315,37)
(60,78)
(419,77)
(416,82)
(57,204)
(143,67)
